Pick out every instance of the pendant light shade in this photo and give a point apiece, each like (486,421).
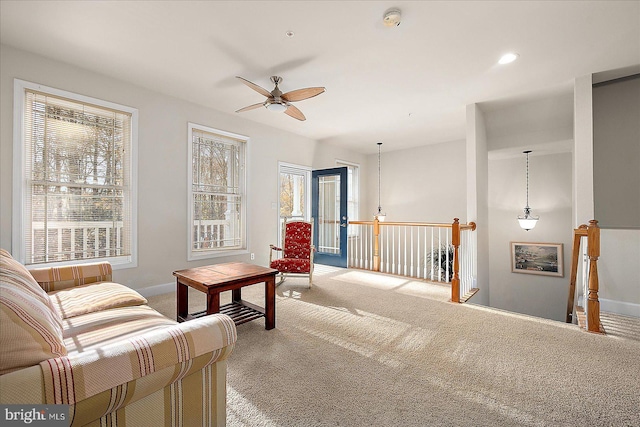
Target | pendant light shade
(528,221)
(379,215)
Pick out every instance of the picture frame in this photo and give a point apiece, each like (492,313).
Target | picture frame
(544,259)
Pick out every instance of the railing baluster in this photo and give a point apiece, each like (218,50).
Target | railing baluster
(455,281)
(358,251)
(367,247)
(107,234)
(593,304)
(432,259)
(382,243)
(393,250)
(403,249)
(447,273)
(418,255)
(59,238)
(389,243)
(425,253)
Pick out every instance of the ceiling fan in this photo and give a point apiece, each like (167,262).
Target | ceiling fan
(281,102)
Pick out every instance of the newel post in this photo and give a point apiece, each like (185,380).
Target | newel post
(455,241)
(376,244)
(593,304)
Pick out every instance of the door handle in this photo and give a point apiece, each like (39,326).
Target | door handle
(344,224)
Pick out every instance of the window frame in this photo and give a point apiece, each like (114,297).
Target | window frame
(215,253)
(356,187)
(20,181)
(301,170)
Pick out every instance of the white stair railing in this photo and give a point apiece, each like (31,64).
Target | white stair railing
(416,249)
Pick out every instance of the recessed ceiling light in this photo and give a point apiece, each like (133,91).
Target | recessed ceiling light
(290,34)
(508,58)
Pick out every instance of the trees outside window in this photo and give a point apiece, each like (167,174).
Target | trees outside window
(216,192)
(77,201)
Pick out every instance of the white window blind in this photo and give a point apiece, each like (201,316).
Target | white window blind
(217,192)
(353,188)
(77,195)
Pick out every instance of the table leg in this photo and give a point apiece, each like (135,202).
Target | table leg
(213,302)
(270,303)
(182,292)
(236,295)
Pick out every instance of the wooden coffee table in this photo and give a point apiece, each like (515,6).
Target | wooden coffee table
(213,279)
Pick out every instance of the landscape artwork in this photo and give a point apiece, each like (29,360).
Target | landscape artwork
(537,258)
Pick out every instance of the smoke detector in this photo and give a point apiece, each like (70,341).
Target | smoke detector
(392,17)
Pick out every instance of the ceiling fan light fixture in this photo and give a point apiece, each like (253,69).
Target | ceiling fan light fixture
(275,106)
(281,102)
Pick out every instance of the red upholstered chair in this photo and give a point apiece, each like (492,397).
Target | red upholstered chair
(296,252)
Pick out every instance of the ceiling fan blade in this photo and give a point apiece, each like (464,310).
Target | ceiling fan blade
(295,113)
(260,90)
(250,107)
(300,94)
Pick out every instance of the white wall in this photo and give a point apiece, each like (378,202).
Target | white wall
(477,204)
(424,184)
(619,265)
(162,152)
(550,197)
(619,271)
(616,169)
(583,209)
(616,153)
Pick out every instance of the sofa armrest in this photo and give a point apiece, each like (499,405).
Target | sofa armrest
(76,377)
(57,278)
(169,354)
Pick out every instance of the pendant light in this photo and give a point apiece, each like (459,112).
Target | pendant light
(528,222)
(379,215)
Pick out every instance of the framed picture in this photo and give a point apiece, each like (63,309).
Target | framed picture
(545,259)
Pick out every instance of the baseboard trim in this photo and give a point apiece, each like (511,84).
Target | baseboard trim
(620,307)
(150,291)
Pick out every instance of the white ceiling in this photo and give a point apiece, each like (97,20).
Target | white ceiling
(406,86)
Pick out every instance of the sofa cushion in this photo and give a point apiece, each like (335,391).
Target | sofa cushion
(30,331)
(291,265)
(98,329)
(15,274)
(57,278)
(94,297)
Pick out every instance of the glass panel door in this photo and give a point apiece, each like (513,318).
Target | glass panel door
(329,210)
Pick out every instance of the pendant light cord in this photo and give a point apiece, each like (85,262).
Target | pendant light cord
(379,207)
(527,179)
(527,153)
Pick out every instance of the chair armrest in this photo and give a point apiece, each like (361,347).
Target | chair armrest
(273,248)
(185,347)
(56,278)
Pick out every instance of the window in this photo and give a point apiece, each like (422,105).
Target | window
(294,187)
(353,188)
(216,192)
(75,200)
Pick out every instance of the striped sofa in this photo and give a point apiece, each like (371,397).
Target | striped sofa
(69,335)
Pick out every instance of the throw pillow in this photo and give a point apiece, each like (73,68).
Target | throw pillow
(30,332)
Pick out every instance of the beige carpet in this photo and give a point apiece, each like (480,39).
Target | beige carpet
(366,349)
